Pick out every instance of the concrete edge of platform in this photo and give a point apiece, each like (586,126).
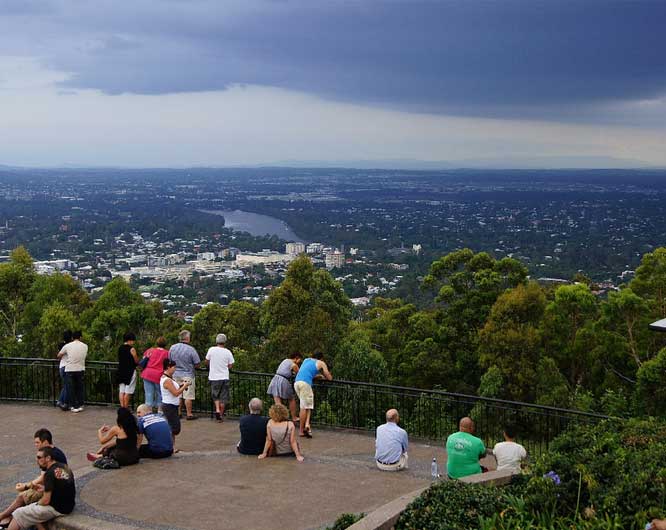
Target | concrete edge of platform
(85,522)
(385,517)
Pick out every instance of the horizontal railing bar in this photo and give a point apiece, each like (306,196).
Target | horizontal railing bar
(407,391)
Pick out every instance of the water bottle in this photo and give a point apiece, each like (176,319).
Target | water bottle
(434,471)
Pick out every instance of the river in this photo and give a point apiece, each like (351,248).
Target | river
(256,224)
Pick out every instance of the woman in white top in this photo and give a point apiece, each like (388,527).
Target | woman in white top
(171,392)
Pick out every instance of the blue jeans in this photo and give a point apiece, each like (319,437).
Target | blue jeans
(75,388)
(64,398)
(153,393)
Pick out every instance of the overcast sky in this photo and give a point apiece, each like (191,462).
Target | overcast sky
(220,82)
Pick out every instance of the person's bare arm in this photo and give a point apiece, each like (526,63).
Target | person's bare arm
(171,387)
(105,433)
(267,444)
(324,370)
(294,443)
(135,355)
(46,499)
(139,440)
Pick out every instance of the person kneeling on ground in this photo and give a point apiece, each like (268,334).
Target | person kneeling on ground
(32,491)
(118,442)
(157,431)
(252,429)
(391,444)
(58,498)
(508,453)
(463,451)
(281,434)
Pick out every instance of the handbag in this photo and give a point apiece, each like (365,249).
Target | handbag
(143,363)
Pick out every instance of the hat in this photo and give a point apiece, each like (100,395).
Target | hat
(221,338)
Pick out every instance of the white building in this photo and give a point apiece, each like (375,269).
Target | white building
(314,248)
(206,256)
(335,259)
(294,249)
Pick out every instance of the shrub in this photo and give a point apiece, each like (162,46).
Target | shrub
(345,521)
(452,505)
(613,468)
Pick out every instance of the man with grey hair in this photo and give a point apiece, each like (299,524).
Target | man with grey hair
(253,429)
(391,444)
(187,360)
(157,432)
(220,360)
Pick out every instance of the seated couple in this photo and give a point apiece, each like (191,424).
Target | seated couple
(49,495)
(268,437)
(123,441)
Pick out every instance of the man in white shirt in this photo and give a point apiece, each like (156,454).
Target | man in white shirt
(508,453)
(75,366)
(220,360)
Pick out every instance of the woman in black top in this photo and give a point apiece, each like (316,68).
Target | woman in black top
(128,358)
(119,441)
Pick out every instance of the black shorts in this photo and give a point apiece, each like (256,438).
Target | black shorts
(173,419)
(219,390)
(146,452)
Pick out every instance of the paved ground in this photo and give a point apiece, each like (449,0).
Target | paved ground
(209,486)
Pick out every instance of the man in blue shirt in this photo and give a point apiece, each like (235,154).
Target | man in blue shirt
(311,369)
(157,431)
(391,444)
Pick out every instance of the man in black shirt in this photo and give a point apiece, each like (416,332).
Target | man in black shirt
(253,430)
(32,491)
(58,498)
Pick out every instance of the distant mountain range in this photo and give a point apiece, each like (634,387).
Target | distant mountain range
(538,162)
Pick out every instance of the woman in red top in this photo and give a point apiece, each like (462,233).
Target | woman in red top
(153,371)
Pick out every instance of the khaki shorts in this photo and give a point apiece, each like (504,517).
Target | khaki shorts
(34,514)
(190,393)
(305,394)
(398,466)
(31,495)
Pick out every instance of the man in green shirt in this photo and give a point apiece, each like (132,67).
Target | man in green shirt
(463,451)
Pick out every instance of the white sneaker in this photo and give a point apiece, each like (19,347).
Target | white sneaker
(76,410)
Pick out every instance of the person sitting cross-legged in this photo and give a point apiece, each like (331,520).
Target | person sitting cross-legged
(463,451)
(252,429)
(157,431)
(58,498)
(32,491)
(391,444)
(508,454)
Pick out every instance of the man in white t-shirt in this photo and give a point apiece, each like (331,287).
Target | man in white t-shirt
(75,366)
(220,360)
(508,453)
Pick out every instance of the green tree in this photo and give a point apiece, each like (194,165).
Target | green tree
(239,321)
(308,311)
(567,330)
(55,319)
(510,341)
(16,279)
(650,280)
(357,360)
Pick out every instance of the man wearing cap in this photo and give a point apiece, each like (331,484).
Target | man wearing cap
(220,360)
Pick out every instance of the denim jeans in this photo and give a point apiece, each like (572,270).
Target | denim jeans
(64,398)
(75,388)
(153,393)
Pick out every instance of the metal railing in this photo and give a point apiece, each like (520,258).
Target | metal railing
(427,414)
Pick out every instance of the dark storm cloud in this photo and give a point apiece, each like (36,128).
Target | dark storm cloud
(530,58)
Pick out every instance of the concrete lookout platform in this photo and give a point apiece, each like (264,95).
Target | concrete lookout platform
(209,486)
